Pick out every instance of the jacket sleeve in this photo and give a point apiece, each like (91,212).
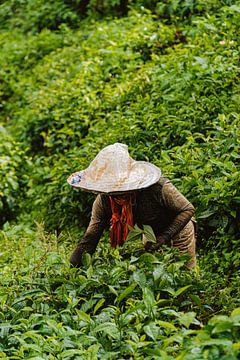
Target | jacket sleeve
(179,205)
(100,219)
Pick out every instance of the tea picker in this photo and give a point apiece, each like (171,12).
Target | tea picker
(133,192)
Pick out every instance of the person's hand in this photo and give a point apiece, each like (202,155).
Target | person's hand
(76,257)
(150,246)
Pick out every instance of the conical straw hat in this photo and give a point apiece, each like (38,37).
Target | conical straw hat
(114,171)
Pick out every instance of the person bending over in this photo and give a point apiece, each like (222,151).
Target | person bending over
(133,192)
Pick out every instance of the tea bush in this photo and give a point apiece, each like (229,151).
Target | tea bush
(134,305)
(34,16)
(12,180)
(163,78)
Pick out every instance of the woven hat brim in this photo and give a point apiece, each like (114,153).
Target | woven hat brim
(142,176)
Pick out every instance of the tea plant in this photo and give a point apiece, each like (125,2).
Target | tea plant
(135,304)
(163,78)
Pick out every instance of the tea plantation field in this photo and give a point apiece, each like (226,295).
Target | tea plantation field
(163,78)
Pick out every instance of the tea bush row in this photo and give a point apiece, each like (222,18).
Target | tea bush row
(167,85)
(76,92)
(33,17)
(135,305)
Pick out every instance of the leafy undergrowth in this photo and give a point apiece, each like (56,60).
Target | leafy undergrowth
(170,90)
(132,305)
(164,79)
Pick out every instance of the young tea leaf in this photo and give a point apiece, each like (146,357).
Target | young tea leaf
(148,232)
(126,292)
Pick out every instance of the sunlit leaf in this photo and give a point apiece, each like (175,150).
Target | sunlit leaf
(148,232)
(128,291)
(83,316)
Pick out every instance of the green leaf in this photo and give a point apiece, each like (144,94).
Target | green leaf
(132,236)
(83,316)
(148,258)
(223,327)
(148,231)
(148,299)
(196,299)
(166,325)
(217,342)
(205,214)
(111,288)
(3,354)
(158,272)
(187,319)
(98,305)
(71,353)
(140,278)
(152,330)
(126,292)
(235,315)
(157,354)
(236,346)
(89,272)
(181,290)
(175,338)
(4,329)
(108,328)
(86,260)
(134,233)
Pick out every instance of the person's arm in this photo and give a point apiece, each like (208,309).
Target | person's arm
(174,201)
(179,205)
(100,219)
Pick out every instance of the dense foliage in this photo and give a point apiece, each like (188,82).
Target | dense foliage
(162,77)
(134,305)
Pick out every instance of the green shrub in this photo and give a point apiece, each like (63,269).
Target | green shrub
(165,82)
(34,16)
(75,92)
(131,305)
(11,177)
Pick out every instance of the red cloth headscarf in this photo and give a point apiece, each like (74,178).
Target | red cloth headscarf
(122,216)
